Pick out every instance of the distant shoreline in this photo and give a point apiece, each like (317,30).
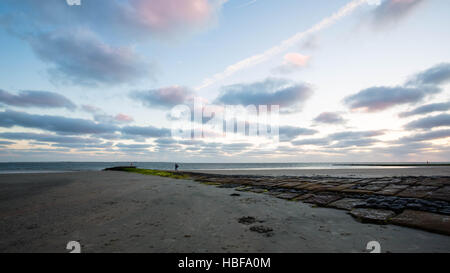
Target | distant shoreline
(394,164)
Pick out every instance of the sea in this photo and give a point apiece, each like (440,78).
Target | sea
(44,167)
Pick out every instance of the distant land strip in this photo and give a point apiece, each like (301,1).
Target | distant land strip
(393,164)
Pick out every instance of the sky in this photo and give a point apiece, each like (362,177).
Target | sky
(354,80)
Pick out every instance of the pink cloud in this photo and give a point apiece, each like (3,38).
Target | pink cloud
(123,118)
(292,62)
(165,15)
(296,59)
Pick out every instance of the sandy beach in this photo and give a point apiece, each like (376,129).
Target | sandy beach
(127,212)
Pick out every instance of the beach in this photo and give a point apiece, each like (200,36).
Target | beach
(130,212)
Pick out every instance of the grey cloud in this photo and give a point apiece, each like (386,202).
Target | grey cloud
(419,87)
(165,97)
(165,141)
(404,149)
(288,133)
(117,119)
(133,146)
(425,109)
(42,99)
(103,117)
(310,43)
(57,140)
(236,146)
(289,96)
(90,108)
(380,98)
(148,131)
(436,75)
(356,134)
(84,146)
(193,142)
(6,142)
(330,118)
(426,136)
(430,122)
(390,11)
(354,138)
(80,57)
(343,139)
(312,141)
(48,138)
(57,124)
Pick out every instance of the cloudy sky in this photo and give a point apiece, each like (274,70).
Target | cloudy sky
(361,80)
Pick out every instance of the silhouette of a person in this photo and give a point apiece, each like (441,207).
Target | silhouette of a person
(176,167)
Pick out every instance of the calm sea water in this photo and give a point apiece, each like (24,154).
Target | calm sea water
(34,167)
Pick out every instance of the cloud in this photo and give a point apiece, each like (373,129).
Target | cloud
(41,99)
(441,120)
(405,150)
(81,58)
(85,146)
(70,38)
(425,109)
(310,43)
(57,140)
(165,97)
(354,138)
(117,119)
(233,147)
(103,117)
(330,118)
(376,99)
(123,118)
(438,134)
(436,75)
(312,141)
(391,11)
(343,139)
(172,15)
(57,124)
(147,131)
(287,133)
(283,46)
(356,134)
(292,62)
(289,96)
(128,19)
(48,138)
(133,146)
(90,108)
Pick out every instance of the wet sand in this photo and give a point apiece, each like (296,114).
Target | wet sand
(126,212)
(344,172)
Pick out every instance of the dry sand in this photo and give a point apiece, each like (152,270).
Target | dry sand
(126,212)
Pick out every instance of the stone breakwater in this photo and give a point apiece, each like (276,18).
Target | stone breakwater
(416,202)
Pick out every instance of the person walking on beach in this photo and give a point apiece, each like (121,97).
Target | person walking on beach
(176,167)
